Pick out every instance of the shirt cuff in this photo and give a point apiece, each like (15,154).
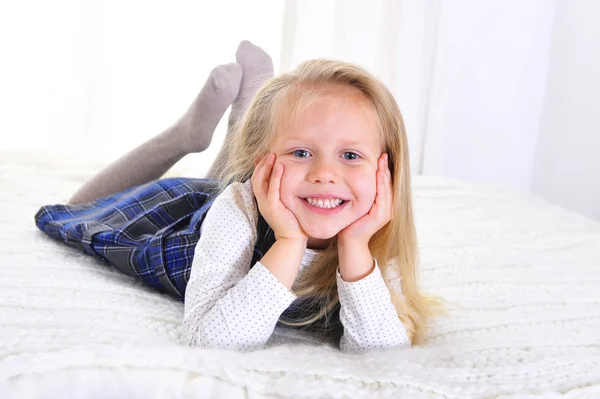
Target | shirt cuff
(373,284)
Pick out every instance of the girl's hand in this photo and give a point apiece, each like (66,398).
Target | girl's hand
(266,183)
(361,230)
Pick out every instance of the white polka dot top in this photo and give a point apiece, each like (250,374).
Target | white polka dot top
(230,305)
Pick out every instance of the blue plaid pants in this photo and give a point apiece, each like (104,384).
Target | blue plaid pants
(148,231)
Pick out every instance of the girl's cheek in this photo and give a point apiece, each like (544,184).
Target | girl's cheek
(366,189)
(366,184)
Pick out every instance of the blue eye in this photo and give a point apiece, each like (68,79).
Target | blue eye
(301,153)
(352,156)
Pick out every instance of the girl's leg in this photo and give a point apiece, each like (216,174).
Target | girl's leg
(258,68)
(192,133)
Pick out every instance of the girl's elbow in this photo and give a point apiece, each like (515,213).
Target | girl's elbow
(200,340)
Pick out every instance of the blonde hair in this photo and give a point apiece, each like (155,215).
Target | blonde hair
(395,245)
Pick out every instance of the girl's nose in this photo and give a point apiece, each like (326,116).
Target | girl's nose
(322,171)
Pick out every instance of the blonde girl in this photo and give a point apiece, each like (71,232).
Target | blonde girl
(304,222)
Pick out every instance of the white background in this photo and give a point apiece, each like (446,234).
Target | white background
(497,92)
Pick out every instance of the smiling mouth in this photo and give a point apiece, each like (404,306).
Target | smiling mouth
(328,203)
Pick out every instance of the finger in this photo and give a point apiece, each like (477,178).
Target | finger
(255,173)
(261,175)
(267,168)
(384,199)
(275,183)
(387,169)
(259,166)
(382,163)
(386,172)
(378,195)
(381,178)
(389,207)
(390,187)
(385,189)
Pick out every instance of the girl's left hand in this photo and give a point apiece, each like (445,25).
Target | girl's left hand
(361,230)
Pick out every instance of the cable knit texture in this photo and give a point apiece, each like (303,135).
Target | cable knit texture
(523,277)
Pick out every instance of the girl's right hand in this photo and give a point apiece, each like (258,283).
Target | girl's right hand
(266,183)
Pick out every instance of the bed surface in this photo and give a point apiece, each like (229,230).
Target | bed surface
(523,277)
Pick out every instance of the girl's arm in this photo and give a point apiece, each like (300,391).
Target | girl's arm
(227,304)
(367,312)
(366,309)
(283,259)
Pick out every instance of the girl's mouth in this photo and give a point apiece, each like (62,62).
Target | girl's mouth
(325,202)
(326,207)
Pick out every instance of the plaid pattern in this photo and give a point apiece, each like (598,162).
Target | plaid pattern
(149,231)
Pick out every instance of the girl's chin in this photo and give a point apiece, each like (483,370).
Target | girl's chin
(320,234)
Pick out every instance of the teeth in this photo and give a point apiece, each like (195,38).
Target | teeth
(326,203)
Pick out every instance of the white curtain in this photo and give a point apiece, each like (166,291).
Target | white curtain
(567,162)
(497,91)
(468,75)
(481,84)
(101,76)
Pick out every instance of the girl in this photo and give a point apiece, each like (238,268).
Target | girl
(305,221)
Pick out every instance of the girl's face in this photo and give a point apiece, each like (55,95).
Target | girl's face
(330,162)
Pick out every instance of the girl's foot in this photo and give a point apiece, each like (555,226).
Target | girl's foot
(258,68)
(196,127)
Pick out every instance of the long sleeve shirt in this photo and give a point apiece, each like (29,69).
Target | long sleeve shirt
(228,304)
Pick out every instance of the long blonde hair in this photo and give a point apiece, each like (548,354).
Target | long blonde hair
(395,245)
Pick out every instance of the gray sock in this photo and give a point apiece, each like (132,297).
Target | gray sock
(257,68)
(197,125)
(192,133)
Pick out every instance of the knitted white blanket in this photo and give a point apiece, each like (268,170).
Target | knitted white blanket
(524,277)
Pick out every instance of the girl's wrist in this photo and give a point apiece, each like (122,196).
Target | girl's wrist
(283,259)
(356,261)
(295,241)
(344,245)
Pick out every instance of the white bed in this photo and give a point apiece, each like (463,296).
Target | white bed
(524,277)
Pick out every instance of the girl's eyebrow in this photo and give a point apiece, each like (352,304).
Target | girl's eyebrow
(345,143)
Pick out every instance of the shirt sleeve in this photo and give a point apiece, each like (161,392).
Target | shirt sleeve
(227,304)
(368,315)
